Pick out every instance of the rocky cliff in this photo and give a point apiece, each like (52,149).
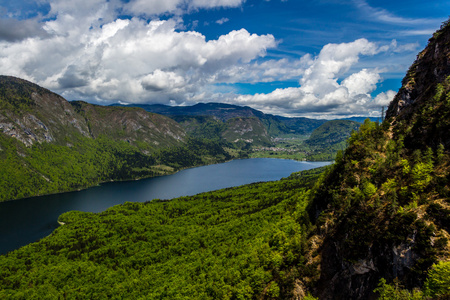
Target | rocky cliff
(418,104)
(382,210)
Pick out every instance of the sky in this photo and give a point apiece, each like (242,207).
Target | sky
(316,58)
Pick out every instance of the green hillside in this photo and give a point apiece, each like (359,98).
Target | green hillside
(383,210)
(332,132)
(50,145)
(329,138)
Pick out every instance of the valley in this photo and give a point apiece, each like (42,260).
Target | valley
(372,225)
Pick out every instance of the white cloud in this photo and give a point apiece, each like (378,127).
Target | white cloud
(320,93)
(385,16)
(383,99)
(160,81)
(361,83)
(157,7)
(215,3)
(154,7)
(222,21)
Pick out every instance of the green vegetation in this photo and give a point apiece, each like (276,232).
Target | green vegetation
(237,243)
(437,286)
(399,193)
(374,224)
(48,168)
(202,126)
(322,145)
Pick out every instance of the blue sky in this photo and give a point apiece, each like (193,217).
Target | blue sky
(317,58)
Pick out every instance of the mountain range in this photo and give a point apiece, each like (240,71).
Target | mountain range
(275,125)
(35,121)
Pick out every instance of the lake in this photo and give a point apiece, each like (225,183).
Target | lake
(27,220)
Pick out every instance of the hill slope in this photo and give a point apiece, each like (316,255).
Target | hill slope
(332,133)
(383,210)
(49,145)
(33,114)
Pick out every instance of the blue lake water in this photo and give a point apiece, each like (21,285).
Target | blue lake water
(27,220)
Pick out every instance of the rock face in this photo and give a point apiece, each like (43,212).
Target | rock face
(32,114)
(431,68)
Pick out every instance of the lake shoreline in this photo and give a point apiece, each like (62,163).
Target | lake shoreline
(27,220)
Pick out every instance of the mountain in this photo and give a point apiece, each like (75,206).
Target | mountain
(49,145)
(220,111)
(332,133)
(275,125)
(382,211)
(373,225)
(249,130)
(329,138)
(299,125)
(32,114)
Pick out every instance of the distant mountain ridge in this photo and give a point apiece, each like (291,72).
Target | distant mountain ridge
(33,114)
(275,125)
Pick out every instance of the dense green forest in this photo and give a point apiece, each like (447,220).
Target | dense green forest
(48,168)
(237,243)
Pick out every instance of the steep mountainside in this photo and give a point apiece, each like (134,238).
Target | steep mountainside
(33,114)
(239,130)
(249,130)
(49,145)
(420,109)
(383,210)
(130,124)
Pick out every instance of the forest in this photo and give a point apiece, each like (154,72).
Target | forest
(235,243)
(48,168)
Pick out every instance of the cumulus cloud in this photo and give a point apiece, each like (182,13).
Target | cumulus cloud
(321,93)
(84,51)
